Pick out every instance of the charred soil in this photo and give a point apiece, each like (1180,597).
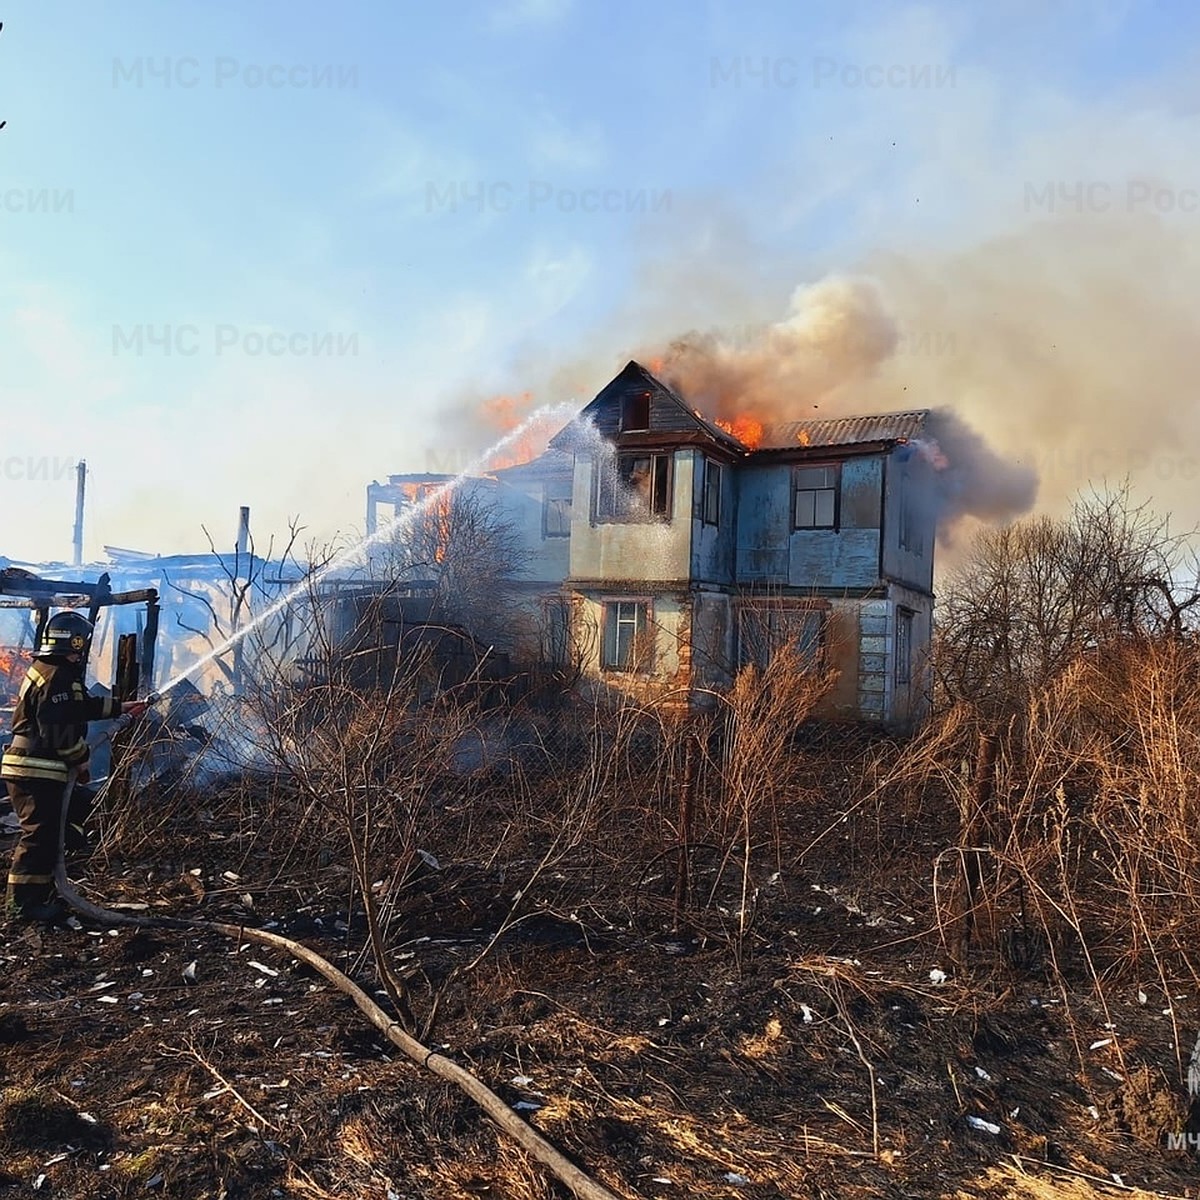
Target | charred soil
(801,1034)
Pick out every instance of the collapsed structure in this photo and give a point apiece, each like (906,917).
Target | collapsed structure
(661,553)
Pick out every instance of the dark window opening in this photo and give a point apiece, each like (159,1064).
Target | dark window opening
(635,412)
(764,629)
(556,514)
(814,497)
(556,630)
(711,502)
(911,535)
(637,487)
(627,636)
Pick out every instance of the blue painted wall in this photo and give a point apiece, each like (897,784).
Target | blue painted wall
(713,545)
(909,485)
(770,551)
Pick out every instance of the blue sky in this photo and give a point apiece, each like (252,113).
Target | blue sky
(622,172)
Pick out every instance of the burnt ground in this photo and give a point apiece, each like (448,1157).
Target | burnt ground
(668,1062)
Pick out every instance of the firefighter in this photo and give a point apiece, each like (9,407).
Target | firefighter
(49,741)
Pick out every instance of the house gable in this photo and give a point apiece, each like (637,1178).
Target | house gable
(638,409)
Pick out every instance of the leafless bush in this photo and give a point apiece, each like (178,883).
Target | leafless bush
(1030,597)
(761,714)
(460,546)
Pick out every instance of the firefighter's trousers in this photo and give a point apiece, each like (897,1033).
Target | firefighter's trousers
(38,805)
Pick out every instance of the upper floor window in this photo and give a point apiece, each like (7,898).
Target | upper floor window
(814,497)
(911,535)
(710,501)
(556,511)
(635,412)
(634,487)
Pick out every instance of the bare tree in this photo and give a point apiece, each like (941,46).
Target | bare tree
(1030,597)
(469,553)
(230,601)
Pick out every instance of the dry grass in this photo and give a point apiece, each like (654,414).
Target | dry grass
(1067,852)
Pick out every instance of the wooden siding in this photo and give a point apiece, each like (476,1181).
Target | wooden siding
(770,551)
(909,482)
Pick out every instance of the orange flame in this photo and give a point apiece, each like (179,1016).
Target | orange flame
(437,513)
(504,414)
(13,665)
(748,430)
(803,437)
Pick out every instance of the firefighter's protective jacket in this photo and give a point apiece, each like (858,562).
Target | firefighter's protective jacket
(50,722)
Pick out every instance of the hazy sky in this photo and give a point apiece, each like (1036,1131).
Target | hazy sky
(255,252)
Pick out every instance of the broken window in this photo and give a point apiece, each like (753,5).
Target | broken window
(636,487)
(635,412)
(627,636)
(814,503)
(764,629)
(904,642)
(711,502)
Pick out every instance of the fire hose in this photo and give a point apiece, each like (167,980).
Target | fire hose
(580,1183)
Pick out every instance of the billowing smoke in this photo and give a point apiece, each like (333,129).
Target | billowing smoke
(835,333)
(970,478)
(825,358)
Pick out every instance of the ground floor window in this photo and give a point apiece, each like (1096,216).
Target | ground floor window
(627,636)
(765,628)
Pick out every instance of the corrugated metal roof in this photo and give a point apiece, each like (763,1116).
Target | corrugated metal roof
(844,431)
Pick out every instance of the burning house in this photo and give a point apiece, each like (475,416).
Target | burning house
(668,550)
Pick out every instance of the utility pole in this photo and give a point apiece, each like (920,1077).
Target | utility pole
(243,569)
(80,488)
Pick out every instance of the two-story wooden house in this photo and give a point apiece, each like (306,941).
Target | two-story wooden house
(692,555)
(669,554)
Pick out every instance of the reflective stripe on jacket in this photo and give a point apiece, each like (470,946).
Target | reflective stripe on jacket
(50,722)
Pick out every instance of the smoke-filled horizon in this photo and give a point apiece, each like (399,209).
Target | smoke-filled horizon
(1006,196)
(1056,357)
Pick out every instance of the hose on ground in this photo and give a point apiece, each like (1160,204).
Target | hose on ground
(580,1183)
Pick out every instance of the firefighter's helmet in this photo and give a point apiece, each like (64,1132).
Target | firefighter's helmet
(66,633)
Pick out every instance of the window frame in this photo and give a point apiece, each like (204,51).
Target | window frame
(767,614)
(905,621)
(633,405)
(642,619)
(616,502)
(834,488)
(548,499)
(711,466)
(555,633)
(910,537)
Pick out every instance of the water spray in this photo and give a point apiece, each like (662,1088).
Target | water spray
(350,554)
(564,412)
